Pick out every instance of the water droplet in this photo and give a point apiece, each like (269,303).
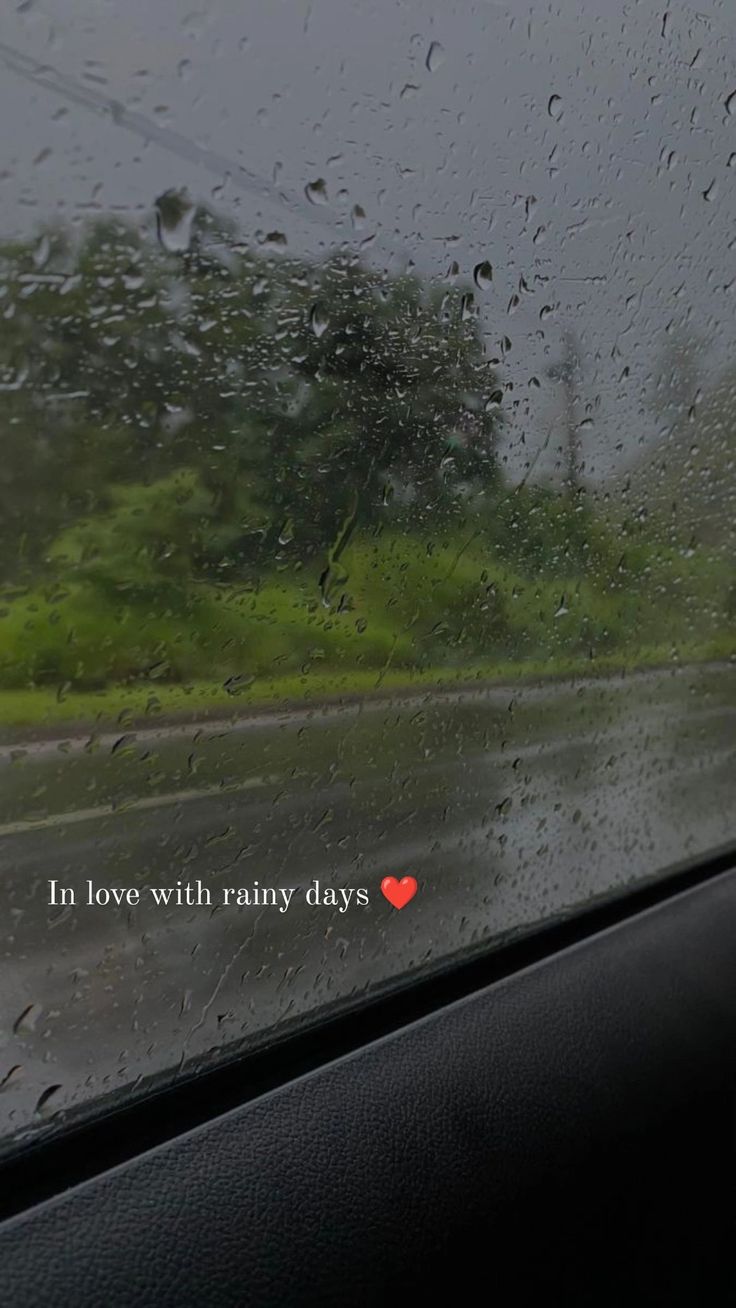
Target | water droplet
(435,57)
(48,1102)
(730,103)
(11,1078)
(483,275)
(316,192)
(286,533)
(357,217)
(318,320)
(174,219)
(554,107)
(711,191)
(28,1018)
(42,252)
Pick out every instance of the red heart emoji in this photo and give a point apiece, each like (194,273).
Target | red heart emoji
(400,892)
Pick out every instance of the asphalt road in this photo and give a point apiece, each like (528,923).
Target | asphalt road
(509,805)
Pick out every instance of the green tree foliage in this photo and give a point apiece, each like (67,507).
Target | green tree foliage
(221,463)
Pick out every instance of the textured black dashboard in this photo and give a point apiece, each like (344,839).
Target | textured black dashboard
(565,1136)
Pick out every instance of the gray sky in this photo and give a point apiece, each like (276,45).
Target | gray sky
(582,147)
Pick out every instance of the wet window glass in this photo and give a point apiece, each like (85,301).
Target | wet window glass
(367,502)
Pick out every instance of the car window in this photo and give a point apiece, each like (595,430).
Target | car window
(368,396)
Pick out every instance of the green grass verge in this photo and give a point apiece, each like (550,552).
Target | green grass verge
(41,708)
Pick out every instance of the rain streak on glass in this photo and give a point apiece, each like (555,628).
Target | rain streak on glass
(367,503)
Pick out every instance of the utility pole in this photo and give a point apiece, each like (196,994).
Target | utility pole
(567,371)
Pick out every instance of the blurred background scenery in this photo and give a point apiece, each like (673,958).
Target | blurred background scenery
(232,473)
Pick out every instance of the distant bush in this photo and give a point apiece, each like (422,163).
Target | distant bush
(129,601)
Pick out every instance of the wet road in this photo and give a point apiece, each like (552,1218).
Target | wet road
(509,804)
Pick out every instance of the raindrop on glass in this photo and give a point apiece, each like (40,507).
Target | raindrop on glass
(318,320)
(174,219)
(435,57)
(483,275)
(316,192)
(286,534)
(11,1077)
(27,1019)
(48,1103)
(554,107)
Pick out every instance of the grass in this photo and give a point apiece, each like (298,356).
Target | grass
(39,708)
